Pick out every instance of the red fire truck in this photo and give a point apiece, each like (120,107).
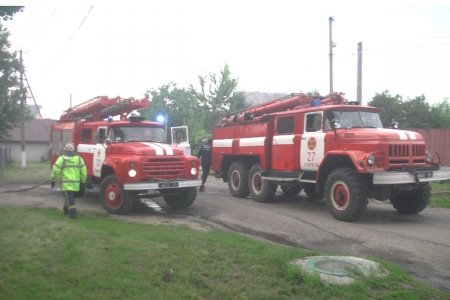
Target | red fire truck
(326,146)
(128,158)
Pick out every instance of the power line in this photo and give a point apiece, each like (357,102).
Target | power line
(392,47)
(68,43)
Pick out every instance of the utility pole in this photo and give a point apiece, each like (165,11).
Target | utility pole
(330,21)
(22,117)
(359,75)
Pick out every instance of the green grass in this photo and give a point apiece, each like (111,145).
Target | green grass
(441,186)
(440,200)
(32,174)
(45,255)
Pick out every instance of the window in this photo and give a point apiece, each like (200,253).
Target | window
(313,122)
(100,135)
(354,119)
(86,135)
(285,125)
(67,136)
(56,142)
(136,134)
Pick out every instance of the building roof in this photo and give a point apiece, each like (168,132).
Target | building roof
(36,130)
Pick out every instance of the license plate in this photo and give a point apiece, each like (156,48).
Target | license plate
(168,184)
(425,174)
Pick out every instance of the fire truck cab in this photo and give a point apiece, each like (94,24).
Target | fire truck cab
(129,158)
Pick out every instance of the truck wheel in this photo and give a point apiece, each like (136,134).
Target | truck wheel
(238,179)
(290,190)
(261,190)
(345,194)
(184,199)
(411,202)
(114,199)
(310,190)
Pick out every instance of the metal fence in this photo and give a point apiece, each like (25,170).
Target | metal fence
(5,154)
(437,140)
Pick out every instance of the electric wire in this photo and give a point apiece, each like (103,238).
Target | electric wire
(68,43)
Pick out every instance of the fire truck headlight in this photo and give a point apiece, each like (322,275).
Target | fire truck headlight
(193,171)
(371,160)
(429,157)
(132,173)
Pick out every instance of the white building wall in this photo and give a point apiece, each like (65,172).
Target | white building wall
(35,152)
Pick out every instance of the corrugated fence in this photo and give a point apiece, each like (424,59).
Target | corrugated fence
(437,140)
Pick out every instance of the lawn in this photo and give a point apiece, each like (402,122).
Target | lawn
(45,255)
(34,173)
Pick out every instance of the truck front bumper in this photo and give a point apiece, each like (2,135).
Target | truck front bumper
(141,186)
(404,177)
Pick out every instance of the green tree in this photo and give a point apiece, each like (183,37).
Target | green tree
(412,113)
(176,105)
(200,110)
(7,12)
(417,113)
(390,107)
(171,101)
(218,96)
(441,114)
(10,111)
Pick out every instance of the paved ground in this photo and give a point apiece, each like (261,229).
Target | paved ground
(420,243)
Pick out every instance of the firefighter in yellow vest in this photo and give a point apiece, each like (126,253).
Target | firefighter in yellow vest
(70,171)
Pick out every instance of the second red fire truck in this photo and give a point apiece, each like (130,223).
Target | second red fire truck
(329,148)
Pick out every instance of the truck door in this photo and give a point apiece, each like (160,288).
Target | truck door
(86,149)
(99,151)
(312,146)
(283,144)
(180,138)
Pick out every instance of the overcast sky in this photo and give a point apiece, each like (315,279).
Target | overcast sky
(90,48)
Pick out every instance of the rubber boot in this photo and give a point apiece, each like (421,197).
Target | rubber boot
(73,213)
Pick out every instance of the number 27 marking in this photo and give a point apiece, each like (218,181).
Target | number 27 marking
(311,156)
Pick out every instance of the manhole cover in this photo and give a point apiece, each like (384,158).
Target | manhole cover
(340,269)
(333,267)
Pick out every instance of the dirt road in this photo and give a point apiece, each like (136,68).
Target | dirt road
(420,243)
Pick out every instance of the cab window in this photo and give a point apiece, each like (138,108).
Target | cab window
(313,122)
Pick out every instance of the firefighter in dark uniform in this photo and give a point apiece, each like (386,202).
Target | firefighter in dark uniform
(70,171)
(205,159)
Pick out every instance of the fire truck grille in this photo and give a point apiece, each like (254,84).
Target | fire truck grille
(406,154)
(164,168)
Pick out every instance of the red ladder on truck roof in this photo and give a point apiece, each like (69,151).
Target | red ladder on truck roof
(101,107)
(294,101)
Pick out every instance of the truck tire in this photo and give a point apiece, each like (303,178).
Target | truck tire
(261,190)
(114,199)
(290,190)
(411,202)
(184,199)
(310,190)
(238,179)
(345,194)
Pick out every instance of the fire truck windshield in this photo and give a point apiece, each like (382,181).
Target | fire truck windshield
(352,119)
(136,134)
